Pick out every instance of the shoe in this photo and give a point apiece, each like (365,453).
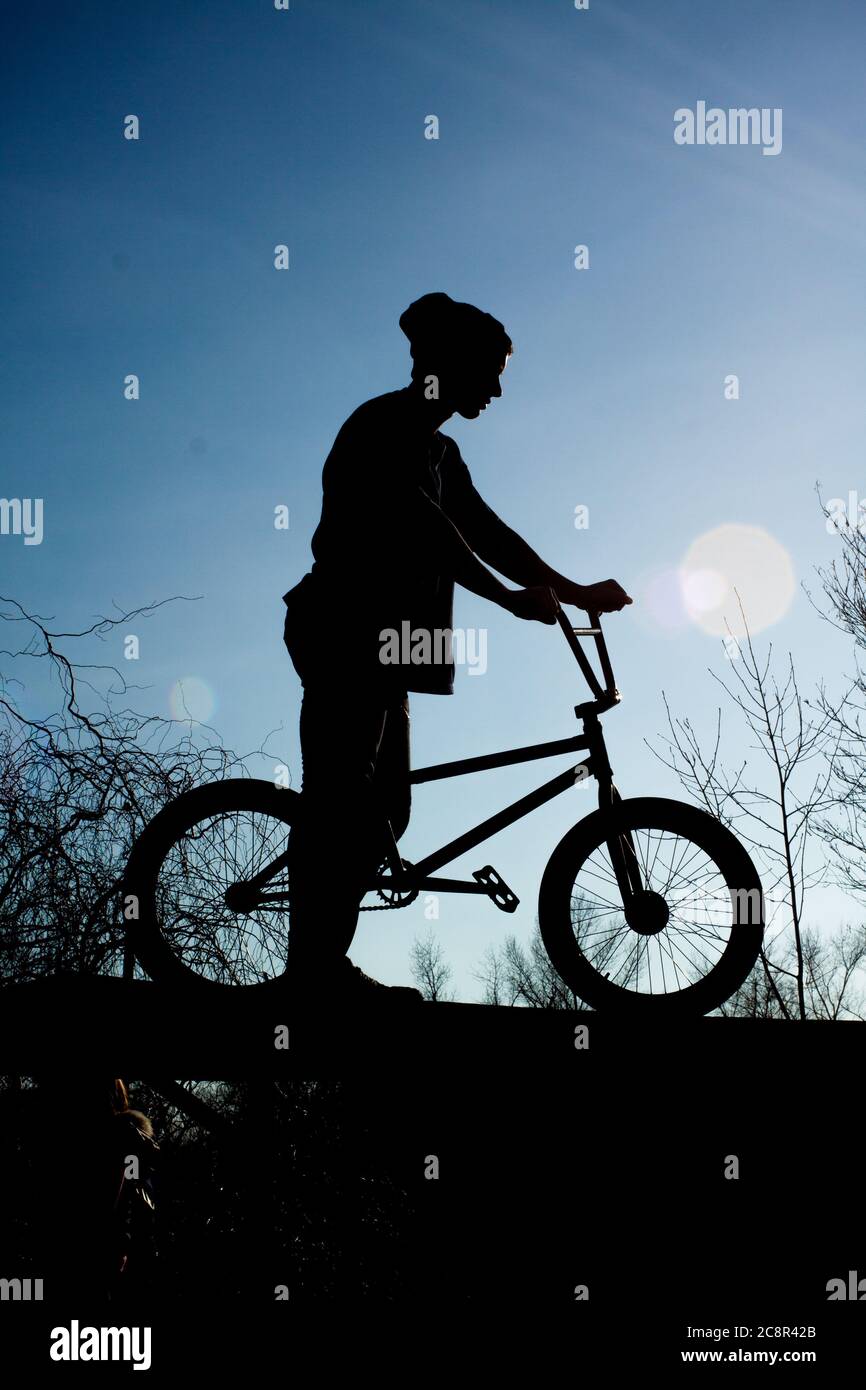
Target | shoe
(356,984)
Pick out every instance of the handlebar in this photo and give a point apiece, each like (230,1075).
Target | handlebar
(609,695)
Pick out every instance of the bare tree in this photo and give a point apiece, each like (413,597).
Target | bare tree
(844,586)
(518,975)
(776,810)
(76,787)
(430,970)
(833,980)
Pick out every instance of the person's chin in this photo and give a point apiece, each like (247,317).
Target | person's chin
(470,412)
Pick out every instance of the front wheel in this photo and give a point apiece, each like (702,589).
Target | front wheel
(691,927)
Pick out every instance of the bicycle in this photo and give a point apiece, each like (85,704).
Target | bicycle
(646,905)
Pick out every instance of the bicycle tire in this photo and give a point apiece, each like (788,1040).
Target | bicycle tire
(718,844)
(147,933)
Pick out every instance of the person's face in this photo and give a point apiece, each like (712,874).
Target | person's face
(474,384)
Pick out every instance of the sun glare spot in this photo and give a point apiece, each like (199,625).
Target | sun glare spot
(735,564)
(191,699)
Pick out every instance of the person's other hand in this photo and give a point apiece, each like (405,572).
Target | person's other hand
(539,603)
(604,597)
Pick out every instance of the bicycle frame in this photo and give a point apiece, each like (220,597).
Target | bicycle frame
(416,877)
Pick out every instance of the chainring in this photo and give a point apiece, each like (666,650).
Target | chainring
(393,897)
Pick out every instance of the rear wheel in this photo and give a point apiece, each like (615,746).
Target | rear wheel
(197,921)
(684,943)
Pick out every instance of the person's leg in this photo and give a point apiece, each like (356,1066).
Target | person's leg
(393,764)
(336,844)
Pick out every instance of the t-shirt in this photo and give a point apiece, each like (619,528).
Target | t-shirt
(379,581)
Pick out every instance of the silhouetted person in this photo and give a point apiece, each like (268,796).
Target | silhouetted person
(401,523)
(90,1176)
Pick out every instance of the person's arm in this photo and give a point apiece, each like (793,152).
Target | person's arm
(497,545)
(446,547)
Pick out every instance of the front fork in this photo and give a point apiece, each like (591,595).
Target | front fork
(623,856)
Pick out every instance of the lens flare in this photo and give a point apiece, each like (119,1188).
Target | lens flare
(660,607)
(736,564)
(192,700)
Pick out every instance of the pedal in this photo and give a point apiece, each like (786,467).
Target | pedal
(497,889)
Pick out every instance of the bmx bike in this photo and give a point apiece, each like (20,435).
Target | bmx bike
(646,904)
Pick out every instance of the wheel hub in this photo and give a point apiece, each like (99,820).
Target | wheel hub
(647,913)
(239,897)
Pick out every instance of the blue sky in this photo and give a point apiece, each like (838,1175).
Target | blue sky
(306,127)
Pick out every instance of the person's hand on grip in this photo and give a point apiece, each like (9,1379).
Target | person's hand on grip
(604,597)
